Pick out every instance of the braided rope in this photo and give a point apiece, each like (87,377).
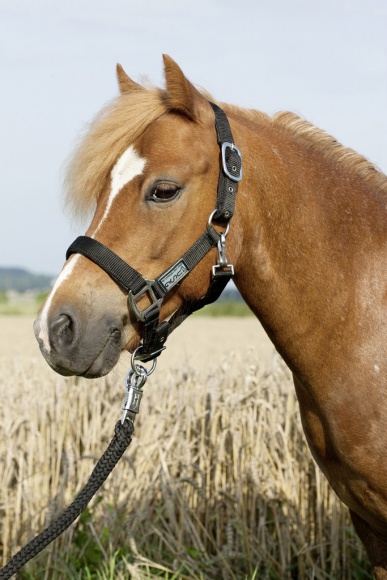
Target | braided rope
(121,439)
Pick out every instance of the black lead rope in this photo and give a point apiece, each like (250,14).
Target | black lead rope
(121,439)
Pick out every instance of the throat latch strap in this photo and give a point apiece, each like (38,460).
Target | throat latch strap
(137,287)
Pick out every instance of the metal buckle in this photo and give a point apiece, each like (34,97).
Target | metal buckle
(221,271)
(233,147)
(133,299)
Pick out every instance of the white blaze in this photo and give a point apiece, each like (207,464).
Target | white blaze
(43,334)
(128,166)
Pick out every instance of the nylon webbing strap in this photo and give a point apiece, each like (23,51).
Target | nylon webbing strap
(190,259)
(216,288)
(117,269)
(231,163)
(128,277)
(155,334)
(201,247)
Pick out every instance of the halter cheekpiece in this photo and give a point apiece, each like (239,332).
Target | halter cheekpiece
(155,333)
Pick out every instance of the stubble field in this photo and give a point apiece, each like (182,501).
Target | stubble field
(217,483)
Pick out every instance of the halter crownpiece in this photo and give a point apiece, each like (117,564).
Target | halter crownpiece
(155,333)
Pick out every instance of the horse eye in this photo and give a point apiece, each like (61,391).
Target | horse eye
(164,192)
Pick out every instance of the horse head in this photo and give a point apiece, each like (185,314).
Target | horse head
(148,168)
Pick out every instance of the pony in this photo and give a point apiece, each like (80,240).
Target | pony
(308,242)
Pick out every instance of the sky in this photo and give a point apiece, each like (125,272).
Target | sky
(325,60)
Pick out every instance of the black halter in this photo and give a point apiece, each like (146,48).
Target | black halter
(154,332)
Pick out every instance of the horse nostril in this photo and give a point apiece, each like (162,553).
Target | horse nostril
(62,331)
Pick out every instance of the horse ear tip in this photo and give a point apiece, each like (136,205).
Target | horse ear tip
(120,71)
(168,61)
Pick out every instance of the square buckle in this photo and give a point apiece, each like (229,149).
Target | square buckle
(134,298)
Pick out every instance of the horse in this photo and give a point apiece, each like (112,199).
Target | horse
(307,242)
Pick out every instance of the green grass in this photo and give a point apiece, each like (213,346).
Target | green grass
(23,306)
(225,308)
(18,309)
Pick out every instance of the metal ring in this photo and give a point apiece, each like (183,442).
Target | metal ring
(209,224)
(139,369)
(134,379)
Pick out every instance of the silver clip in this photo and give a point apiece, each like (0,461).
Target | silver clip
(135,380)
(222,267)
(222,259)
(131,404)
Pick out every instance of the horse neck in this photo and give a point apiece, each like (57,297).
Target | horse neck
(305,225)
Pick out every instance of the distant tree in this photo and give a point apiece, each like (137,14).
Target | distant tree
(21,280)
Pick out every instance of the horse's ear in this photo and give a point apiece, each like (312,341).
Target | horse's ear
(181,94)
(125,83)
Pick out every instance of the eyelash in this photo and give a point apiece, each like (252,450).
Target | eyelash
(164,192)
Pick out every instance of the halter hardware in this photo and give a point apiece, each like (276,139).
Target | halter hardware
(135,380)
(137,287)
(133,298)
(235,168)
(222,268)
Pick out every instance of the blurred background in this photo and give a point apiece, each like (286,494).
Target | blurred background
(326,61)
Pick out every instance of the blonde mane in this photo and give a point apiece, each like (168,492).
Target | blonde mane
(109,135)
(332,149)
(301,130)
(125,118)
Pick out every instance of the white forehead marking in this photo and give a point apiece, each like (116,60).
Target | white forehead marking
(128,166)
(43,334)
